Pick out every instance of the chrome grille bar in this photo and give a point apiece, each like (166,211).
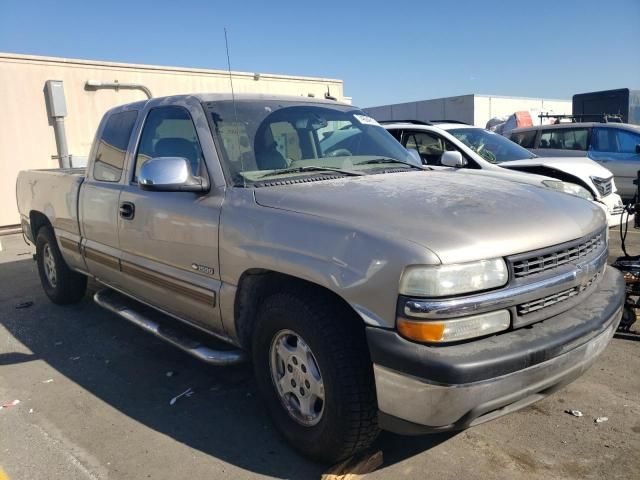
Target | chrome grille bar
(549,300)
(540,263)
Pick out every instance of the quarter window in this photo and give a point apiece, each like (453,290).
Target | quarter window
(112,146)
(564,138)
(169,132)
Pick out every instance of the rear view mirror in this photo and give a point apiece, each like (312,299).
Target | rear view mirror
(169,174)
(453,159)
(415,156)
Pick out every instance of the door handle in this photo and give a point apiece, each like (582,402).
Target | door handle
(127,210)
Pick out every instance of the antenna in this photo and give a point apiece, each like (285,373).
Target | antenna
(233,97)
(235,111)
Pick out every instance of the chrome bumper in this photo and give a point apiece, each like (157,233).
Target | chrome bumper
(460,406)
(423,389)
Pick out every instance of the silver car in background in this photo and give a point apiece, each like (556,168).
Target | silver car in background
(616,146)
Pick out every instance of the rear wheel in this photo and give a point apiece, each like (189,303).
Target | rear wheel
(313,369)
(61,284)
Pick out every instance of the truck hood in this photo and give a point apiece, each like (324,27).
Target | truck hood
(455,216)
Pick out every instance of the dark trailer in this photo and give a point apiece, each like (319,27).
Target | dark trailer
(623,102)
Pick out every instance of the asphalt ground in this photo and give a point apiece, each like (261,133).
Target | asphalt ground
(95,396)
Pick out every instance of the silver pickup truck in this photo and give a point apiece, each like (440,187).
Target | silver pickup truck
(367,291)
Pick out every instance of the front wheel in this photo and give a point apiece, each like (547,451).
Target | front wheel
(61,284)
(313,369)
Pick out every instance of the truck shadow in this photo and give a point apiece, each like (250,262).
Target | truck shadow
(127,369)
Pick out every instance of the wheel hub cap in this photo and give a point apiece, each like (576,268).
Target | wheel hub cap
(49,265)
(297,378)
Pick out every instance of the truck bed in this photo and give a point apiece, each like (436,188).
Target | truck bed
(53,192)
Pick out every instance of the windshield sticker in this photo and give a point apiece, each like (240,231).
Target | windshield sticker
(365,120)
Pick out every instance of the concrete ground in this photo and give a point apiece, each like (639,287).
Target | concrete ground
(94,403)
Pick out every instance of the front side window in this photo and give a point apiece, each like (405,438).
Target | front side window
(627,141)
(258,139)
(564,138)
(524,139)
(169,132)
(429,146)
(614,140)
(112,146)
(491,146)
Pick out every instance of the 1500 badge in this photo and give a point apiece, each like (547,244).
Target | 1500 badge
(202,268)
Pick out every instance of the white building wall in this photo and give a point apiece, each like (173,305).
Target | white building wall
(26,136)
(472,109)
(489,106)
(450,108)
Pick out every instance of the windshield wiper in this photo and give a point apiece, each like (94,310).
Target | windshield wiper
(389,160)
(311,168)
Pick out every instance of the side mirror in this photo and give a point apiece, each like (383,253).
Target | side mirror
(169,174)
(415,156)
(452,159)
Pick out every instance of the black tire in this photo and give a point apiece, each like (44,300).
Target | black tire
(349,419)
(68,286)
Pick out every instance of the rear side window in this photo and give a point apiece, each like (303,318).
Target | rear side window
(564,138)
(112,146)
(524,139)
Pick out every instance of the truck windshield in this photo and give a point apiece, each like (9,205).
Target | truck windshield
(491,146)
(268,140)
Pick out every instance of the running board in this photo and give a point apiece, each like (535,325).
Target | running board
(154,322)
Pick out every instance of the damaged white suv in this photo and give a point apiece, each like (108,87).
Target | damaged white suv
(451,145)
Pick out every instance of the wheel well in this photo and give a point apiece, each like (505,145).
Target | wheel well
(257,284)
(37,220)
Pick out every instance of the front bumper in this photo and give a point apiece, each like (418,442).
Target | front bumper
(425,388)
(614,209)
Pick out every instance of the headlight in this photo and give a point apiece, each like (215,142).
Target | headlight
(455,329)
(445,280)
(570,188)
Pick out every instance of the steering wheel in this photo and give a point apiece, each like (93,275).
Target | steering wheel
(339,152)
(488,155)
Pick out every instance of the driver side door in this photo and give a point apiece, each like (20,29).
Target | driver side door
(169,242)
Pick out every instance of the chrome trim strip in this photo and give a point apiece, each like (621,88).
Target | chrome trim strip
(201,295)
(507,297)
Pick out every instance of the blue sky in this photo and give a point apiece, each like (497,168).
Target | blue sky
(385,52)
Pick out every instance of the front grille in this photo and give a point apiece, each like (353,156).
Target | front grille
(552,259)
(549,300)
(617,210)
(604,185)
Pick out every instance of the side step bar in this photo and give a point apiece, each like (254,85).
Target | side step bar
(152,321)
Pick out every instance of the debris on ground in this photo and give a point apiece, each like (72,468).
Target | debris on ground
(353,467)
(57,344)
(601,419)
(31,410)
(187,393)
(170,373)
(575,413)
(24,305)
(10,404)
(73,359)
(50,380)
